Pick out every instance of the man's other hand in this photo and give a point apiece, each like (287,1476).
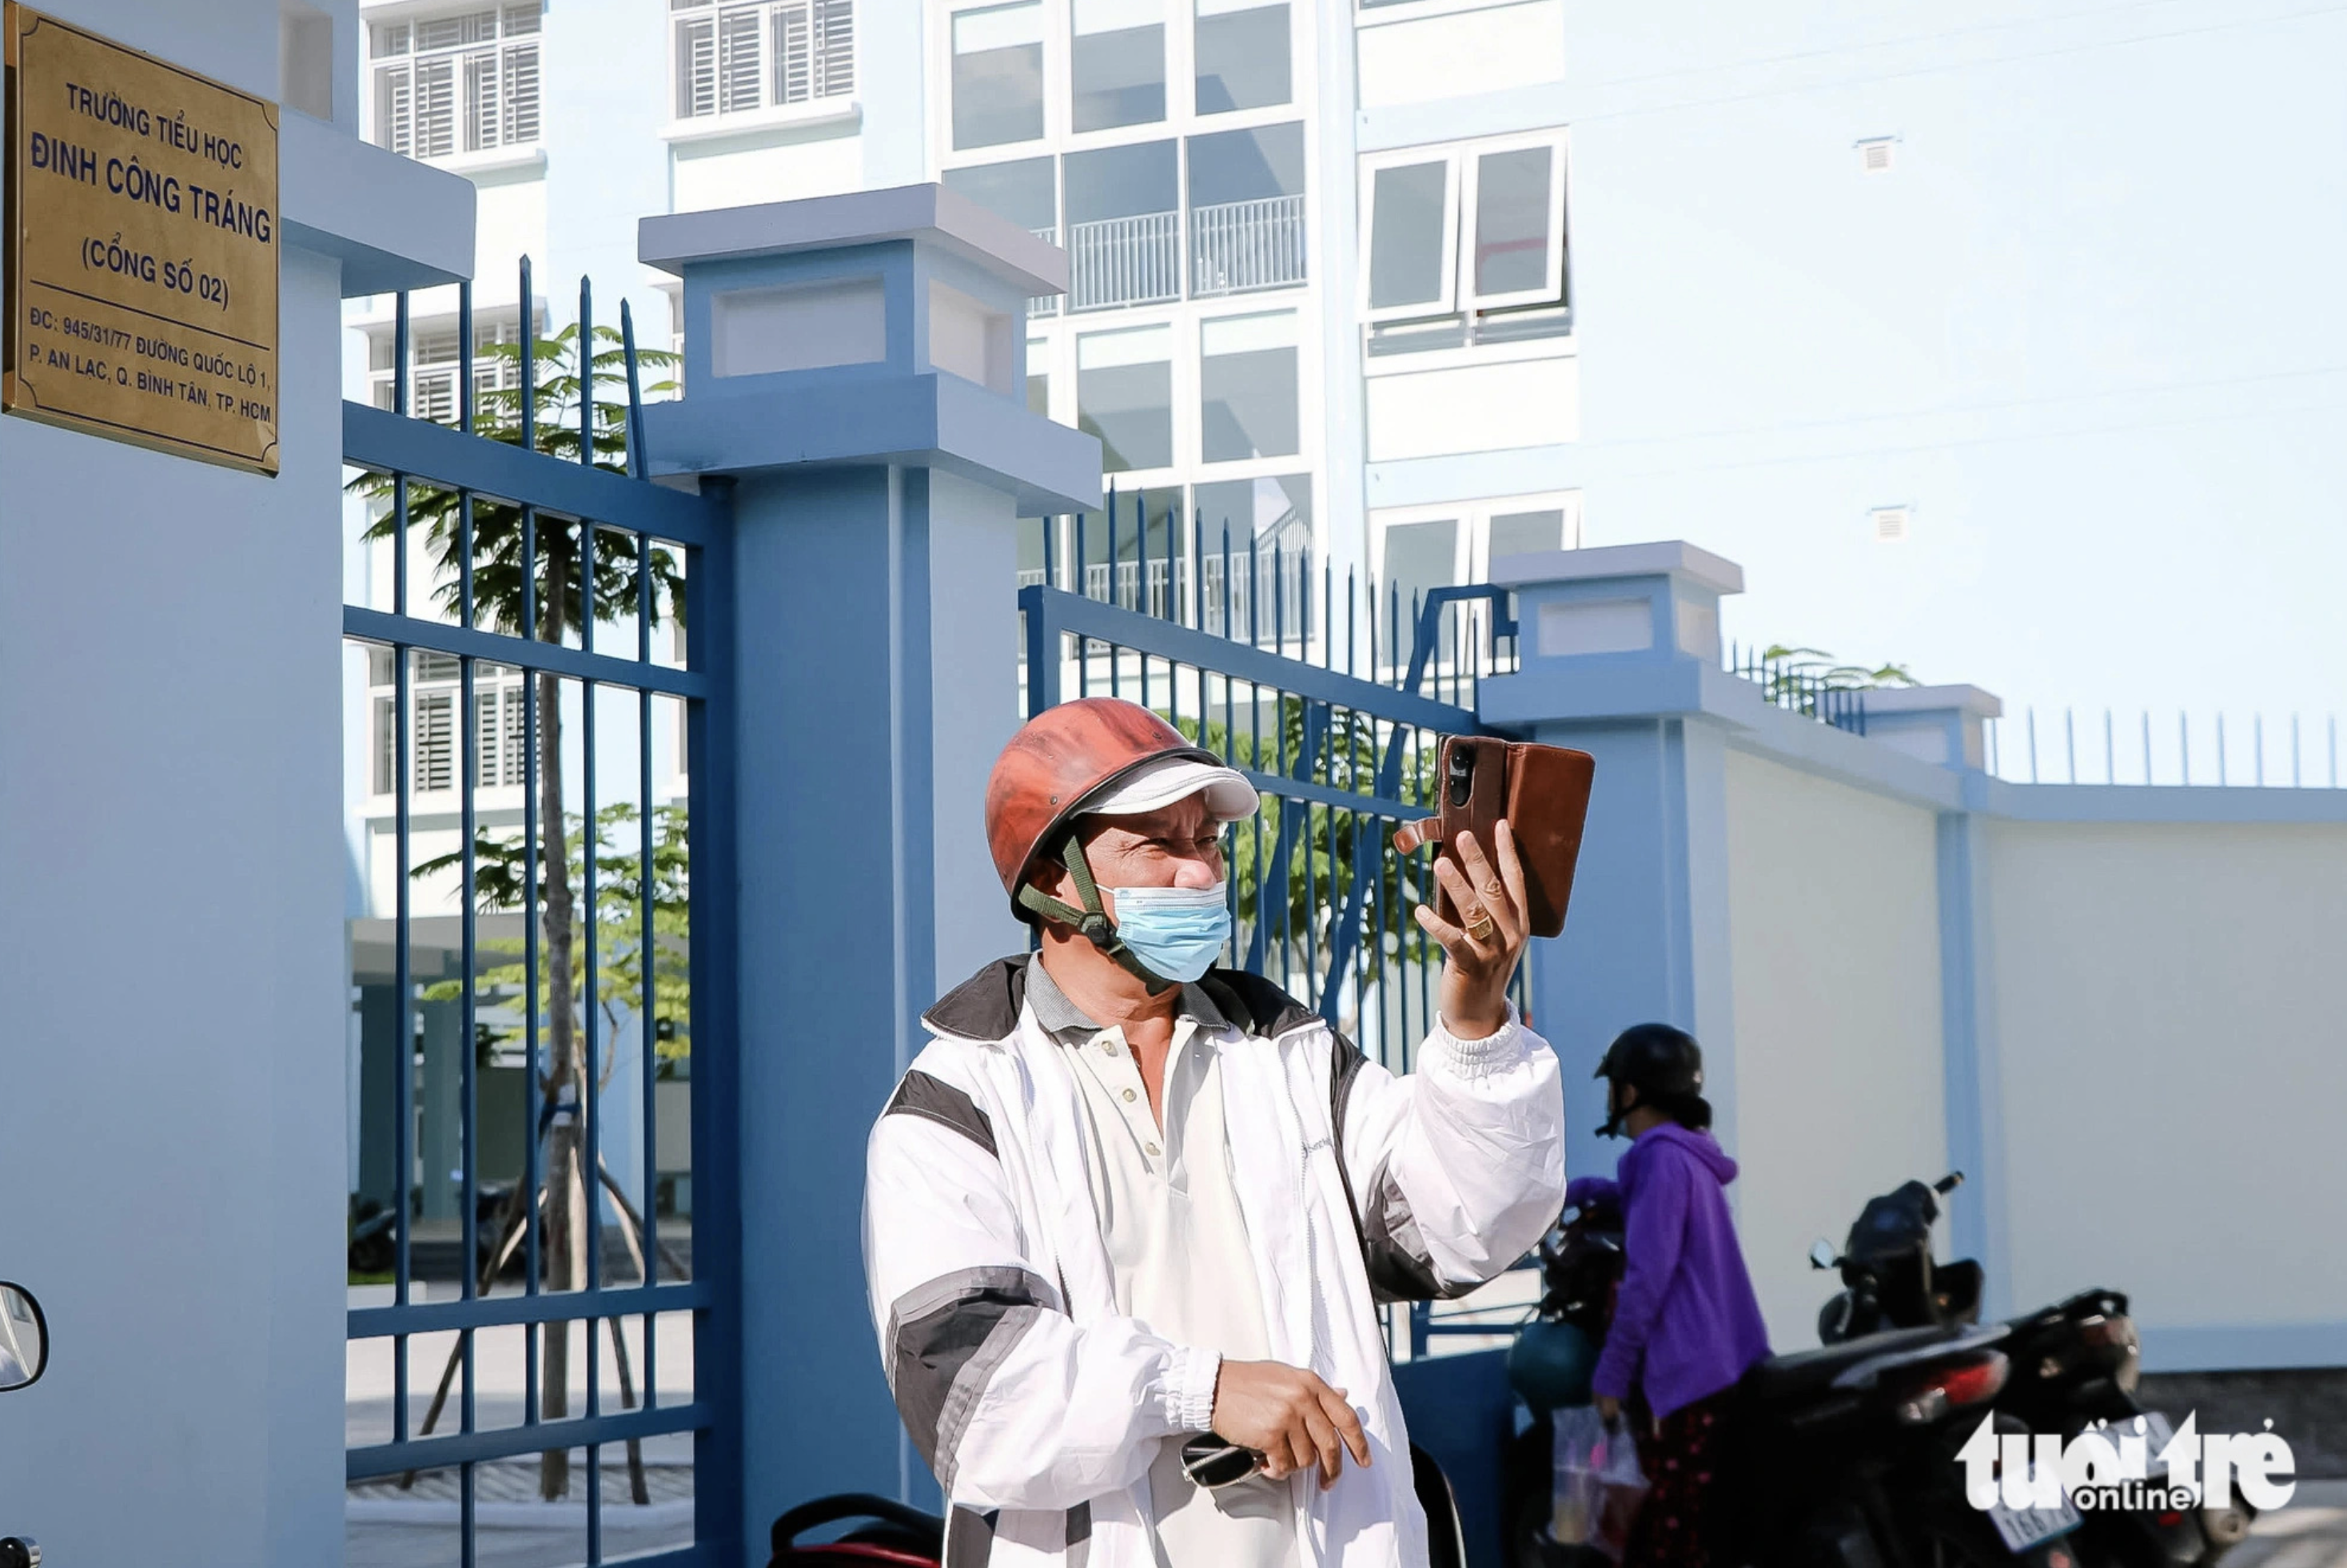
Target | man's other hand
(1292,1418)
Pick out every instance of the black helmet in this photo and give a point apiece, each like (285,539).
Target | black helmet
(1664,1065)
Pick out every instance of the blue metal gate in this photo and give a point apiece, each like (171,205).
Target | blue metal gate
(542,960)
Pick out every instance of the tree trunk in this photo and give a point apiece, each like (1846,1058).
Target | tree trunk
(569,1228)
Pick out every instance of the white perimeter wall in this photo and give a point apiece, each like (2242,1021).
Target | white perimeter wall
(1835,955)
(2169,1003)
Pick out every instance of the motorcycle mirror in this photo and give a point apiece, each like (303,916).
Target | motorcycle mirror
(24,1338)
(1822,1254)
(1949,1182)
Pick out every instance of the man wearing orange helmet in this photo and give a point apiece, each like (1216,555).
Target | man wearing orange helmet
(1128,1218)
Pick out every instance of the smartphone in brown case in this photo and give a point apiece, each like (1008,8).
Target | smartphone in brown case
(1542,791)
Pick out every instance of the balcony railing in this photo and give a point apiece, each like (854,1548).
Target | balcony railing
(1237,246)
(1045,305)
(1124,261)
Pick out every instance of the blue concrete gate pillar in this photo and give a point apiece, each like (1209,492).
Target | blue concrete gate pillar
(855,365)
(1946,725)
(1619,649)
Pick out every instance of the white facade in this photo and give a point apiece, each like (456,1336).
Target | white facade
(1762,277)
(1197,159)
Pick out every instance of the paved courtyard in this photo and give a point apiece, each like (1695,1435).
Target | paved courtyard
(388,1526)
(2311,1532)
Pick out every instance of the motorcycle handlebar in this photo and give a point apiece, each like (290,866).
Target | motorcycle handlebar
(1949,1182)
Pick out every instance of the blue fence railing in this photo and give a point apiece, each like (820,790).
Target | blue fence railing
(1811,687)
(542,981)
(2294,752)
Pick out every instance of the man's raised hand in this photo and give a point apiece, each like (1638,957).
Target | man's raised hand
(1480,953)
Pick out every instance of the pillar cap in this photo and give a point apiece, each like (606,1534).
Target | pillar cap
(1969,701)
(927,214)
(1674,558)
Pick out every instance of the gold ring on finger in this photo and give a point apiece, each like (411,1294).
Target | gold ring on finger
(1481,926)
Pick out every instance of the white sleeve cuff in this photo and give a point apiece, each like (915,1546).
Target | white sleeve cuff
(1190,1388)
(1471,1060)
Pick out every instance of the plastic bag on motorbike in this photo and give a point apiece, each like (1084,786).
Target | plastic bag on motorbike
(1599,1485)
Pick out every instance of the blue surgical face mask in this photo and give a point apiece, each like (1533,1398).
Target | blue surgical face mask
(1175,932)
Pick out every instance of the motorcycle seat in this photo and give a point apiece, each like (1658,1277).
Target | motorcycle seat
(1806,1373)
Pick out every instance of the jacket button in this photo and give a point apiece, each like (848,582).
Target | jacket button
(1128,1096)
(1107,1048)
(1149,1148)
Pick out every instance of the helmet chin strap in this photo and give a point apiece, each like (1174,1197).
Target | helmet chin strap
(1614,1111)
(1091,921)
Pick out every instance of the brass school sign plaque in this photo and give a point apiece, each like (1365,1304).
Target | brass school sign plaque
(142,235)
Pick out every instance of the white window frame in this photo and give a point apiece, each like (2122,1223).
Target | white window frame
(1565,501)
(1182,387)
(506,46)
(1471,171)
(496,686)
(1463,163)
(1299,64)
(1181,123)
(829,83)
(1445,302)
(490,372)
(1472,559)
(1182,120)
(1055,86)
(1174,20)
(1212,471)
(1051,348)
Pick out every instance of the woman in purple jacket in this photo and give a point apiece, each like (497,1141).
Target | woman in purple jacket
(1686,1323)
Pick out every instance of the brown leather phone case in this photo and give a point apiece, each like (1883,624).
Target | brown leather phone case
(1542,791)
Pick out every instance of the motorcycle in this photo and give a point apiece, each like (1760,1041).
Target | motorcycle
(2075,1364)
(1890,1279)
(24,1357)
(1839,1458)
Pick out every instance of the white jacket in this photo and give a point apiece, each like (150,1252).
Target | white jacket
(1040,1408)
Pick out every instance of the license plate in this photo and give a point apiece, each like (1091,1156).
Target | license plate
(2023,1528)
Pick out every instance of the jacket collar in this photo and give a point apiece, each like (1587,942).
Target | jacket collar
(986,1006)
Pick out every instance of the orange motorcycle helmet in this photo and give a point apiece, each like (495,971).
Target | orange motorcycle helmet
(1064,761)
